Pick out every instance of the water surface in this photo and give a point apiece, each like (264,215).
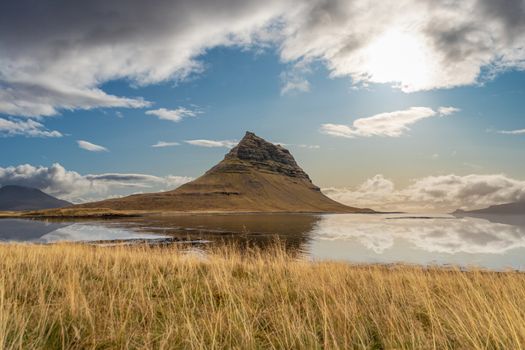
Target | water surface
(490,242)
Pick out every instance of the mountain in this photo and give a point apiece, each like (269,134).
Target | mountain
(14,198)
(255,176)
(516,208)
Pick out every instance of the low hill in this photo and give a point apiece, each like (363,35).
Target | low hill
(516,208)
(14,198)
(255,176)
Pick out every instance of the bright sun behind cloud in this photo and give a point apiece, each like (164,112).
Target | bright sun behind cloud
(401,58)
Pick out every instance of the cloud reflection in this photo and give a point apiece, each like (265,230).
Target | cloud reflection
(436,235)
(81,232)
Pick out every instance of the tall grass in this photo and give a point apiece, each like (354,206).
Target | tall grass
(77,297)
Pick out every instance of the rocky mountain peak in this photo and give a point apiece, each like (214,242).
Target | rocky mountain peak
(256,149)
(253,151)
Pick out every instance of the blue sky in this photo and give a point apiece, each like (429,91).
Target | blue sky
(240,91)
(234,85)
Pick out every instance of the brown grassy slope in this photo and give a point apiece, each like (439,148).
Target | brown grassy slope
(80,297)
(241,192)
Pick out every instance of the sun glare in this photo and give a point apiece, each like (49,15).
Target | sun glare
(398,57)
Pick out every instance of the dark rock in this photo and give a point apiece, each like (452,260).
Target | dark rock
(253,152)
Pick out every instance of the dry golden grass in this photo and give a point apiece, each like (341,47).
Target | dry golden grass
(77,297)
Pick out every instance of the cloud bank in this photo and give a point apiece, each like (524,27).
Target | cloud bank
(442,193)
(70,185)
(391,124)
(412,44)
(44,68)
(429,194)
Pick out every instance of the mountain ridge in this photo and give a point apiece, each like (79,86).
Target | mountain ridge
(513,208)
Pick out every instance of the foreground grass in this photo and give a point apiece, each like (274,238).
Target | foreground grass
(76,297)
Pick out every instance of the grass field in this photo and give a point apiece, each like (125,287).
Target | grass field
(78,297)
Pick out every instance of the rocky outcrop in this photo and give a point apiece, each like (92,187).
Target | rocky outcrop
(253,152)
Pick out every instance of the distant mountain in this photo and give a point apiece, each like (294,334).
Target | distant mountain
(255,176)
(516,208)
(14,198)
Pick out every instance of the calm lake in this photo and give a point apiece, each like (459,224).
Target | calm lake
(489,242)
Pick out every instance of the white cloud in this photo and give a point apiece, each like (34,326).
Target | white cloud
(295,85)
(448,110)
(294,81)
(137,180)
(309,146)
(512,132)
(70,185)
(299,145)
(175,115)
(442,193)
(48,69)
(33,98)
(173,181)
(412,44)
(12,127)
(88,146)
(391,124)
(161,144)
(212,143)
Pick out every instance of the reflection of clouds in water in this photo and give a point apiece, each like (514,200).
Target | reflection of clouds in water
(79,232)
(467,235)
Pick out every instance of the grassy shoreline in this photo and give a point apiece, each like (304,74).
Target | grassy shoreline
(104,213)
(77,296)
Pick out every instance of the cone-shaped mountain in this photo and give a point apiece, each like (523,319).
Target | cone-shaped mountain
(255,176)
(26,198)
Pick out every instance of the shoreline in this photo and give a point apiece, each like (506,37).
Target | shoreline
(81,213)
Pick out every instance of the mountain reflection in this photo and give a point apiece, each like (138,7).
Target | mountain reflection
(259,230)
(18,230)
(26,230)
(360,238)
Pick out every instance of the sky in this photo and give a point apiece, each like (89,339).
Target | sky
(406,105)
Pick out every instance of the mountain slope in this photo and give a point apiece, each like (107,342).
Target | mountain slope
(255,176)
(27,198)
(516,208)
